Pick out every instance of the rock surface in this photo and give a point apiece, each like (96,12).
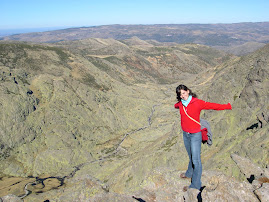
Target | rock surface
(160,185)
(262,193)
(10,198)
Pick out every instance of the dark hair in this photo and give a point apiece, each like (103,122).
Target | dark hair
(183,87)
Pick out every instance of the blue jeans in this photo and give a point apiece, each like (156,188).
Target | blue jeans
(192,142)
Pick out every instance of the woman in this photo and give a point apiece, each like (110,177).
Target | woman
(188,103)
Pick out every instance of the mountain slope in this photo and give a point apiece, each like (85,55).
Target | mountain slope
(243,49)
(67,117)
(130,61)
(244,83)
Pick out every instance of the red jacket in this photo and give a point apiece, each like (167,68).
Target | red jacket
(194,109)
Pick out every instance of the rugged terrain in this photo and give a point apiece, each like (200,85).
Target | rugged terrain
(93,119)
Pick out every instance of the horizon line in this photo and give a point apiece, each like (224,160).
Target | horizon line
(79,26)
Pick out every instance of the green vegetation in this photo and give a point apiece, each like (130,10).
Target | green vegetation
(17,55)
(113,59)
(235,97)
(163,49)
(90,80)
(99,63)
(170,143)
(129,179)
(24,80)
(206,54)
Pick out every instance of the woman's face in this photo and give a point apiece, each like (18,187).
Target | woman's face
(184,94)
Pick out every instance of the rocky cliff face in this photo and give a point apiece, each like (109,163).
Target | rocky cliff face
(242,82)
(94,119)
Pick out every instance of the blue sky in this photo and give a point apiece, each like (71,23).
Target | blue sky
(19,14)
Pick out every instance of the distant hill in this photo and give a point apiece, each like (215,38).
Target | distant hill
(243,49)
(8,32)
(214,35)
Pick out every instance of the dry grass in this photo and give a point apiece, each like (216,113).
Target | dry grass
(263,180)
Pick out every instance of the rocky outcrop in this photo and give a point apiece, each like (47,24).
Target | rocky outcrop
(258,177)
(249,169)
(160,185)
(262,193)
(17,102)
(244,129)
(216,187)
(219,187)
(10,198)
